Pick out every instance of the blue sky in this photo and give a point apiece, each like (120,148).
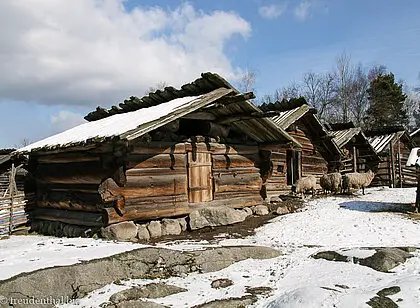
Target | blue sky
(59,60)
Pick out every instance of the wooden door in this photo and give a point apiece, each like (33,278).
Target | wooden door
(293,166)
(200,179)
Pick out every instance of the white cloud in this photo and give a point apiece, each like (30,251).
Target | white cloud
(89,52)
(66,119)
(272,11)
(302,11)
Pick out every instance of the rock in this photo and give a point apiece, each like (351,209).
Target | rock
(381,302)
(238,302)
(123,231)
(152,290)
(275,199)
(135,304)
(142,233)
(389,291)
(330,256)
(155,229)
(259,290)
(183,223)
(385,259)
(215,216)
(208,261)
(260,210)
(247,211)
(221,283)
(171,227)
(282,210)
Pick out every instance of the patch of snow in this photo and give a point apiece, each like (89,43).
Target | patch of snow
(20,254)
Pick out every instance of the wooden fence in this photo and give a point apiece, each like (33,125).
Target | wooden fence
(12,206)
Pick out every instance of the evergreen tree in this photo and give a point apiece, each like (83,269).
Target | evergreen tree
(386,100)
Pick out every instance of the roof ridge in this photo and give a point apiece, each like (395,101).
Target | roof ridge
(206,83)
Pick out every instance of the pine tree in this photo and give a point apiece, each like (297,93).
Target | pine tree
(386,100)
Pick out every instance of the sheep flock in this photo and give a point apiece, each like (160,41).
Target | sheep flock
(334,183)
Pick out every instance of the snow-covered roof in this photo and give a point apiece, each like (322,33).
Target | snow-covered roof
(379,143)
(288,117)
(414,132)
(342,137)
(413,158)
(129,125)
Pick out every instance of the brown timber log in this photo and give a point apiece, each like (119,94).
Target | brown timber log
(220,148)
(234,161)
(240,182)
(159,185)
(146,212)
(155,171)
(155,148)
(157,161)
(111,192)
(68,205)
(68,158)
(92,219)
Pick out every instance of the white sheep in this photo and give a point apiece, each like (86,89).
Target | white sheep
(331,182)
(357,180)
(305,184)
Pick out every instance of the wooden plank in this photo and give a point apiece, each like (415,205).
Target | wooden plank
(155,171)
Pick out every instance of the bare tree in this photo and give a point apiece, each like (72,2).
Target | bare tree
(359,102)
(343,77)
(159,86)
(247,81)
(318,90)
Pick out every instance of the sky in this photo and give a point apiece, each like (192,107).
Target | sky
(60,59)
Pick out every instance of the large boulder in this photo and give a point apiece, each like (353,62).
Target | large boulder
(155,229)
(123,231)
(171,227)
(386,259)
(215,216)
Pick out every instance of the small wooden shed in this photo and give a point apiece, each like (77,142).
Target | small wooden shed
(393,145)
(360,156)
(159,156)
(317,155)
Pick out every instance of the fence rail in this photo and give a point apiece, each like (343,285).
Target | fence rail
(12,206)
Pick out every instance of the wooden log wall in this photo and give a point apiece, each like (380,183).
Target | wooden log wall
(67,187)
(157,179)
(312,162)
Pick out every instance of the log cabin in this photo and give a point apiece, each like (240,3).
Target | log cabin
(158,156)
(360,156)
(393,145)
(317,155)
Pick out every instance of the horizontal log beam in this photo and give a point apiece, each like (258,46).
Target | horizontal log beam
(91,219)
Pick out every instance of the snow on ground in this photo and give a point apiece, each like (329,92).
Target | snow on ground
(20,254)
(346,224)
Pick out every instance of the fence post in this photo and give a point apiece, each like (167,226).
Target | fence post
(12,194)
